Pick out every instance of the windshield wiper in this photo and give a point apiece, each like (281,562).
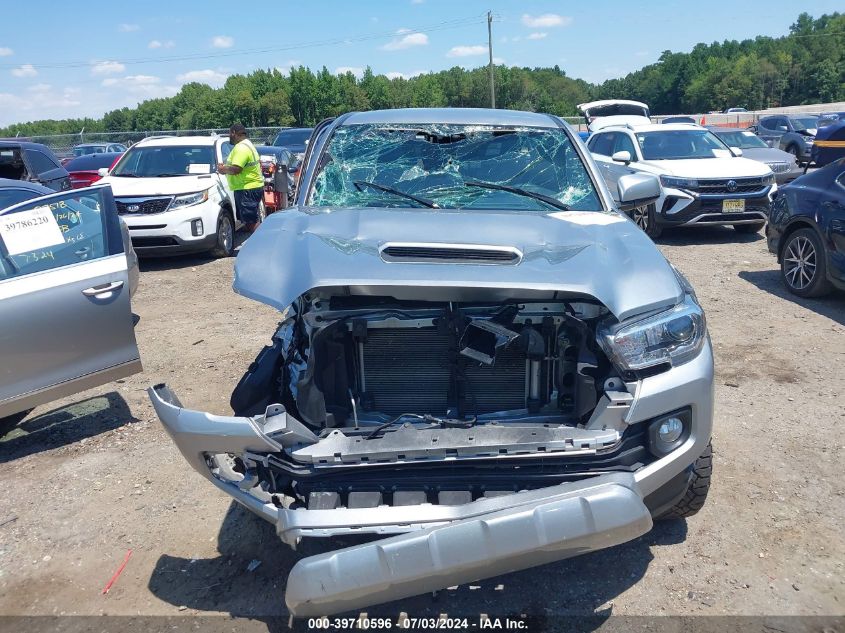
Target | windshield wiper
(553,202)
(168,175)
(423,201)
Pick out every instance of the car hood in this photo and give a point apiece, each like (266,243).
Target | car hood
(122,186)
(768,155)
(728,167)
(602,255)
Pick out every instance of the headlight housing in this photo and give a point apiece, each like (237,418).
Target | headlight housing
(678,183)
(674,336)
(768,180)
(189,199)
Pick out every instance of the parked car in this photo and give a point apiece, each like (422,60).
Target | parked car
(679,119)
(793,133)
(294,139)
(67,271)
(734,110)
(479,358)
(22,160)
(807,231)
(98,148)
(172,199)
(704,183)
(598,114)
(828,118)
(278,166)
(84,171)
(783,164)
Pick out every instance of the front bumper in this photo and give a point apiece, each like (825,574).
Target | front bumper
(685,208)
(443,545)
(171,232)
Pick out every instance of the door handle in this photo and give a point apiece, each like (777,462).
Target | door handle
(102,289)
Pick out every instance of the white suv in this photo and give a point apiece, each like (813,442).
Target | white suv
(171,198)
(704,181)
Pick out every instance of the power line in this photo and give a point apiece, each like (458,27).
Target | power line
(438,26)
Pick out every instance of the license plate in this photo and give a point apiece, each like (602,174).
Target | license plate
(733,206)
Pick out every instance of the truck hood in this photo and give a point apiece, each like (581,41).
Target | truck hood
(601,255)
(727,167)
(122,186)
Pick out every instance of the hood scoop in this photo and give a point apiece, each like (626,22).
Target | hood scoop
(438,253)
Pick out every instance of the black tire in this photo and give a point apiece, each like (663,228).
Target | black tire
(795,151)
(803,265)
(10,422)
(225,245)
(699,485)
(749,228)
(645,218)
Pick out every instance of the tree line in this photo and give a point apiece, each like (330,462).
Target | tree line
(805,66)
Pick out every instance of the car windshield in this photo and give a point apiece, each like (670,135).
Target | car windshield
(84,150)
(165,160)
(292,137)
(452,166)
(741,139)
(805,123)
(678,144)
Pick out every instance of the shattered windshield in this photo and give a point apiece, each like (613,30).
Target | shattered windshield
(454,167)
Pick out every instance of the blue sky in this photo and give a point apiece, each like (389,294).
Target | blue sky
(70,59)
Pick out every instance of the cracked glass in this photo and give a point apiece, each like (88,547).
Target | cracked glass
(434,163)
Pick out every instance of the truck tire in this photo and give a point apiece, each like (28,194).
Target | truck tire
(225,245)
(699,485)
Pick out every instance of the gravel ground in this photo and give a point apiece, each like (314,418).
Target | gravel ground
(90,477)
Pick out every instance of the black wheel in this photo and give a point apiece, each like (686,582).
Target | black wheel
(795,151)
(749,228)
(10,422)
(225,246)
(803,267)
(644,217)
(699,485)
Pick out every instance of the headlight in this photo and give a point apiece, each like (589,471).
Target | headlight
(678,183)
(808,140)
(674,336)
(189,199)
(768,180)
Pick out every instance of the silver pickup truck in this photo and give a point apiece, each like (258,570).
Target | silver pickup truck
(480,359)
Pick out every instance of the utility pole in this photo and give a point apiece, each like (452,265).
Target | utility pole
(490,48)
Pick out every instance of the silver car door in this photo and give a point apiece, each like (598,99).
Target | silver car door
(65,318)
(600,146)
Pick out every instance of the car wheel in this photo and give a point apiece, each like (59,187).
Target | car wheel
(225,246)
(749,228)
(644,217)
(795,151)
(803,267)
(699,485)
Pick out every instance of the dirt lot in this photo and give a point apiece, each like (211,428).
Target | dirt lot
(90,477)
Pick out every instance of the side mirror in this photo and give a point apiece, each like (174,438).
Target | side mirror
(752,128)
(102,172)
(623,156)
(637,190)
(736,151)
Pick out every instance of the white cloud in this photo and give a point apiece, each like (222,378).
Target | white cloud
(142,86)
(6,52)
(355,70)
(498,61)
(223,41)
(466,51)
(131,80)
(39,88)
(288,65)
(397,75)
(107,68)
(407,40)
(546,20)
(160,44)
(207,76)
(537,36)
(127,28)
(27,70)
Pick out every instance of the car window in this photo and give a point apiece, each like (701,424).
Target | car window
(154,161)
(225,150)
(625,144)
(48,234)
(39,161)
(680,144)
(11,197)
(603,143)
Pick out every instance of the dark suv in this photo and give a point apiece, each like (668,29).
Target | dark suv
(22,160)
(793,133)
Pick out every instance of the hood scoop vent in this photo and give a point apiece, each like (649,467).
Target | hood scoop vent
(438,253)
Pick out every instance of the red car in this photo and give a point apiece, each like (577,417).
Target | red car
(85,170)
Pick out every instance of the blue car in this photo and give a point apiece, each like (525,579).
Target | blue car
(806,231)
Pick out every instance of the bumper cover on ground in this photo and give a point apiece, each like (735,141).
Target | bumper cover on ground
(565,521)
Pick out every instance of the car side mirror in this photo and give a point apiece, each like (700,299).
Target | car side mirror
(736,151)
(752,128)
(102,172)
(637,190)
(623,156)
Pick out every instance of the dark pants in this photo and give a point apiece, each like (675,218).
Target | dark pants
(247,201)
